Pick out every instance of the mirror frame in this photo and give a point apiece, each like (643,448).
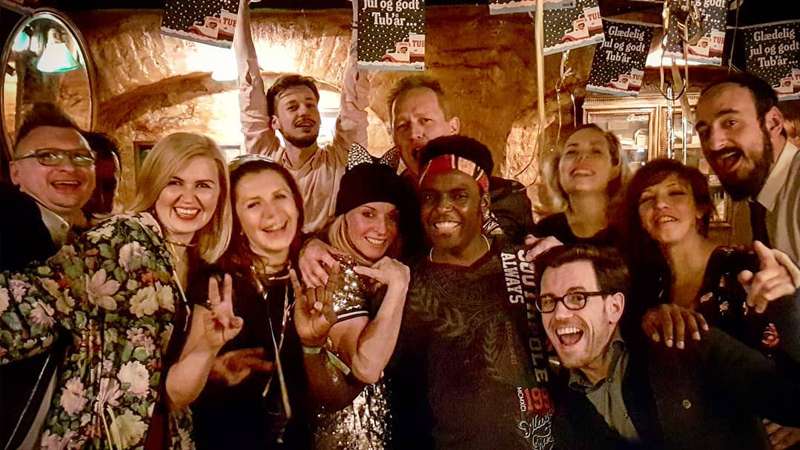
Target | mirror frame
(87,58)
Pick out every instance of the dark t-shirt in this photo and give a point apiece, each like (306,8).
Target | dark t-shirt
(241,416)
(556,225)
(464,377)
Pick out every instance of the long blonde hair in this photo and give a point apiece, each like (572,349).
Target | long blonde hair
(557,200)
(164,160)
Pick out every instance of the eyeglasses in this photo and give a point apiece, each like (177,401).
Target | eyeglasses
(573,301)
(54,157)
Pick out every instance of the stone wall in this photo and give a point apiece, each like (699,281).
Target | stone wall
(149,85)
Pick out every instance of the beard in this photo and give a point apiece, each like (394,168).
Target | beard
(301,142)
(750,186)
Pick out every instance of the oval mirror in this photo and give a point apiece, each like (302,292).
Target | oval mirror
(45,60)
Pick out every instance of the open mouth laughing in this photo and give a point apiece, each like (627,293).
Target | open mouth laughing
(727,160)
(568,335)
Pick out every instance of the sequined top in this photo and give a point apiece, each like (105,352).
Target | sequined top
(365,424)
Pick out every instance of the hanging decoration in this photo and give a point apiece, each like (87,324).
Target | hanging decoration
(699,32)
(207,21)
(520,6)
(618,64)
(391,34)
(570,28)
(773,54)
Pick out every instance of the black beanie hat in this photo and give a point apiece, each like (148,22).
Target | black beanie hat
(461,146)
(370,182)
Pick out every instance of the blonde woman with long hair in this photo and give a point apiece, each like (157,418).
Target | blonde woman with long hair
(584,180)
(117,294)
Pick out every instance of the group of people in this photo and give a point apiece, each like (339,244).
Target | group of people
(304,297)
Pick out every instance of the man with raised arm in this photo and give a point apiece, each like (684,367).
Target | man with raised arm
(290,106)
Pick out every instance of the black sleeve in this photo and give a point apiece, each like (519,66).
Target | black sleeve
(23,235)
(512,208)
(753,380)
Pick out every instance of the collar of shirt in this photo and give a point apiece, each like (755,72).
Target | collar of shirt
(56,225)
(578,381)
(777,177)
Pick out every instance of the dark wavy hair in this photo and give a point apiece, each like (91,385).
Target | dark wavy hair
(642,250)
(239,256)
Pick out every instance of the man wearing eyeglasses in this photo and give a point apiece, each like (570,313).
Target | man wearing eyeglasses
(618,392)
(53,169)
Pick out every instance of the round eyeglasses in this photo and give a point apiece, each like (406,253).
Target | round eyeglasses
(55,157)
(573,301)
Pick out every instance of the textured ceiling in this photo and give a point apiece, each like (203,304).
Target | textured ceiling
(751,11)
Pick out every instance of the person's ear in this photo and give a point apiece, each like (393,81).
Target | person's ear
(455,125)
(486,203)
(14,172)
(274,122)
(773,121)
(615,305)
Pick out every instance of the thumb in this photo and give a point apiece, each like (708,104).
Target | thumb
(765,257)
(745,278)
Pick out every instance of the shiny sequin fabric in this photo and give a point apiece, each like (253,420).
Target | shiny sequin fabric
(349,301)
(364,425)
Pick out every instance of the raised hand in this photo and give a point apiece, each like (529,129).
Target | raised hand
(672,323)
(537,246)
(220,325)
(777,277)
(781,437)
(313,309)
(388,271)
(316,260)
(234,366)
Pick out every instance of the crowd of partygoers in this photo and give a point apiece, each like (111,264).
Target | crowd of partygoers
(306,297)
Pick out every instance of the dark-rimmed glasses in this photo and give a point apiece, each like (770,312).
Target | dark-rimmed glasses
(51,157)
(573,301)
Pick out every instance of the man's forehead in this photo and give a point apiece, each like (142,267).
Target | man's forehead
(561,279)
(727,96)
(448,181)
(419,98)
(52,137)
(302,91)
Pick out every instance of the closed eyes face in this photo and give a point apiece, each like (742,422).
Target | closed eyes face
(668,212)
(450,205)
(585,164)
(267,214)
(418,117)
(188,201)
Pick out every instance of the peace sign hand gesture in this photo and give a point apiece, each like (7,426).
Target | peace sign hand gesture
(313,310)
(220,325)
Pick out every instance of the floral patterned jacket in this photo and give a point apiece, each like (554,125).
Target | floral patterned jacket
(113,293)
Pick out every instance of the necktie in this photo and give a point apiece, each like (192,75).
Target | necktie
(758,222)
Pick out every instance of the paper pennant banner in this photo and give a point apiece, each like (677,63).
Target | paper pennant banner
(707,39)
(207,21)
(521,6)
(773,53)
(573,27)
(391,34)
(618,64)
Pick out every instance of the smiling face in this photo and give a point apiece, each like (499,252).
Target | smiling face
(297,116)
(585,164)
(450,204)
(418,117)
(372,228)
(734,140)
(64,188)
(188,201)
(267,213)
(580,337)
(668,212)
